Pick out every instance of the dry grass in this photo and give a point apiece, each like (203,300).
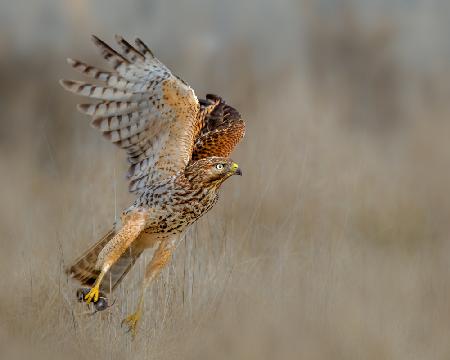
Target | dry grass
(334,243)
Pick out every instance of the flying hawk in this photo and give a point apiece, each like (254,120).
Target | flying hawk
(177,149)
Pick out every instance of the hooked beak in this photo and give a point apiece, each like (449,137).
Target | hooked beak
(235,170)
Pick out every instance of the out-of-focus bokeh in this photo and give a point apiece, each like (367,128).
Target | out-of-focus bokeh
(333,245)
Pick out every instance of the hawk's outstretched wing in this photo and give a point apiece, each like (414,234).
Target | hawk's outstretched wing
(222,129)
(143,108)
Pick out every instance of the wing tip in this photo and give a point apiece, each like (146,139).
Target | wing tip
(214,98)
(67,84)
(99,42)
(95,39)
(73,86)
(143,47)
(85,109)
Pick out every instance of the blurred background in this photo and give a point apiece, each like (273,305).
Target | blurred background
(333,245)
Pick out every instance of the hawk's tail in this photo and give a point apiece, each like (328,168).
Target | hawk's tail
(83,269)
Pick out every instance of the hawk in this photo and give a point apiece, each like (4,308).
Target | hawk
(177,148)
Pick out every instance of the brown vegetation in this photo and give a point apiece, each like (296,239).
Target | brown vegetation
(333,245)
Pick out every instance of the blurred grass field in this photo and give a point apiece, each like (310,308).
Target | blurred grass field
(333,245)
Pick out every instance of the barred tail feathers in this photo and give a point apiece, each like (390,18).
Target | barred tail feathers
(83,269)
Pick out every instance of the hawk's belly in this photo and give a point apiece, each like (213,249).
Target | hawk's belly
(178,217)
(175,209)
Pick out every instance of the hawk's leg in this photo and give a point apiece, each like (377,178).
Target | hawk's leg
(133,225)
(160,259)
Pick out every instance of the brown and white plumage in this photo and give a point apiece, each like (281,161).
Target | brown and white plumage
(222,129)
(177,148)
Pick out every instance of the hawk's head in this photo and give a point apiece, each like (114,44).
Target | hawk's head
(212,171)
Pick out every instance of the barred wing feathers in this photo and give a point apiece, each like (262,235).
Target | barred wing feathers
(222,129)
(143,108)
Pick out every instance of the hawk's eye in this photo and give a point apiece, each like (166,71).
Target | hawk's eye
(219,166)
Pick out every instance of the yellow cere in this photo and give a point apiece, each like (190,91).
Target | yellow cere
(234,167)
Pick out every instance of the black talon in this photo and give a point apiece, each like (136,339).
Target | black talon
(81,293)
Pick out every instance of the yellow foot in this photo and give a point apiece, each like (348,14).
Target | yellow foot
(131,321)
(92,295)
